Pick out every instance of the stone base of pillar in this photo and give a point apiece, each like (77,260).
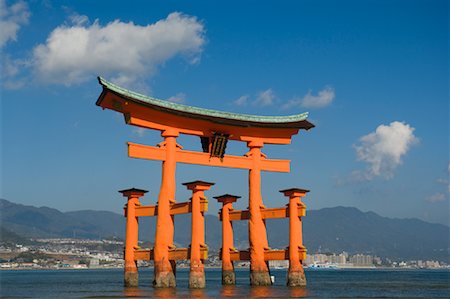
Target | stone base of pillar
(260,278)
(197,280)
(164,279)
(131,279)
(296,279)
(228,277)
(165,274)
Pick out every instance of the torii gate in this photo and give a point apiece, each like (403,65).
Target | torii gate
(214,128)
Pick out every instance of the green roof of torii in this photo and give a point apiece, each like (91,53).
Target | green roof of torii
(166,105)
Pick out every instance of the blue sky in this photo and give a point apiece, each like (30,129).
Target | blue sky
(372,74)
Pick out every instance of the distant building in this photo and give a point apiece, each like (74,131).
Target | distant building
(279,264)
(94,263)
(361,260)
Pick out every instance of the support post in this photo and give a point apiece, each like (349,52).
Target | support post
(197,269)
(228,275)
(131,276)
(296,275)
(259,270)
(164,268)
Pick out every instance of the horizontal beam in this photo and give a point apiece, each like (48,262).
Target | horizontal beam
(141,151)
(269,255)
(131,120)
(269,213)
(174,254)
(142,211)
(175,209)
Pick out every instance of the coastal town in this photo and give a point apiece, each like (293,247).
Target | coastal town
(67,253)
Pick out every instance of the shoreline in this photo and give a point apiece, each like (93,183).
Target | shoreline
(237,268)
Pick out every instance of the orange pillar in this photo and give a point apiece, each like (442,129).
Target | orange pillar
(228,275)
(259,270)
(296,275)
(165,269)
(131,277)
(197,269)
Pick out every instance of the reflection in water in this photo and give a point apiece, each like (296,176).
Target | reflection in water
(228,291)
(164,292)
(108,283)
(232,291)
(198,293)
(261,292)
(133,292)
(298,292)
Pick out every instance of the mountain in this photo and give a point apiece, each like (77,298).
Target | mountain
(342,228)
(43,222)
(326,230)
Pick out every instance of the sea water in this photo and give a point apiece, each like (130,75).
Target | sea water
(108,283)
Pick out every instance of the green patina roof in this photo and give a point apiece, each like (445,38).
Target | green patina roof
(201,111)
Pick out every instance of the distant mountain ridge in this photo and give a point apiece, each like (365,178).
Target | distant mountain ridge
(327,230)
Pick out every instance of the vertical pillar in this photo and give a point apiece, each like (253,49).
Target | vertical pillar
(131,277)
(228,275)
(197,269)
(259,270)
(165,269)
(296,275)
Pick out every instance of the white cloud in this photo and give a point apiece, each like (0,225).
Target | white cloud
(383,149)
(138,131)
(324,98)
(446,181)
(437,197)
(178,98)
(265,98)
(11,19)
(79,20)
(241,101)
(124,51)
(11,72)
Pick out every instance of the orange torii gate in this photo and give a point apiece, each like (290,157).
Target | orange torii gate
(214,128)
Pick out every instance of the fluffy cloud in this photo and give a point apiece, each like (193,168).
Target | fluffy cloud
(324,98)
(446,181)
(11,68)
(437,197)
(125,51)
(265,98)
(139,132)
(178,98)
(383,149)
(241,101)
(11,19)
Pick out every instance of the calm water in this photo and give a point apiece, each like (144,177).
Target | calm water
(321,283)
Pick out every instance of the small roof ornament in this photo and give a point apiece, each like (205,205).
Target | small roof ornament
(133,190)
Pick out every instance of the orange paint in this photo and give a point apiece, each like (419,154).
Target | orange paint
(175,209)
(190,157)
(131,234)
(197,269)
(171,123)
(228,275)
(227,229)
(256,226)
(164,269)
(146,117)
(175,254)
(295,272)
